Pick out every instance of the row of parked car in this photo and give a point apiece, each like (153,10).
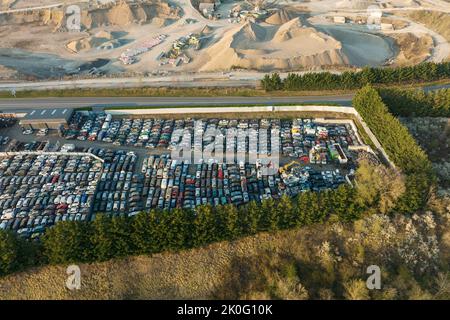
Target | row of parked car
(303,178)
(7,121)
(296,136)
(149,133)
(171,184)
(16,145)
(119,190)
(37,191)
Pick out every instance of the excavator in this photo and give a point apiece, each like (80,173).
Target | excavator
(287,166)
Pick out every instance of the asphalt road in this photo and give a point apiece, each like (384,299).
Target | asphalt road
(18,105)
(8,105)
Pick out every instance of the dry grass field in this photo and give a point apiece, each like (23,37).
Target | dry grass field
(437,21)
(318,262)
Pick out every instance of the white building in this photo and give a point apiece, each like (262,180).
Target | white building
(339,19)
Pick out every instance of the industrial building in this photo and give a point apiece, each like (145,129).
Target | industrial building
(47,118)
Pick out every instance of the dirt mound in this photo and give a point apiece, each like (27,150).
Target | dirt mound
(157,12)
(5,4)
(436,21)
(207,30)
(252,31)
(91,42)
(151,11)
(287,47)
(282,16)
(289,30)
(104,34)
(354,4)
(401,3)
(413,49)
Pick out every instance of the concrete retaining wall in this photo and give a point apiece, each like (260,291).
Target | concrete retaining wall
(224,109)
(314,108)
(374,140)
(165,111)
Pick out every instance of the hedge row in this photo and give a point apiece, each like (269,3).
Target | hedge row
(348,80)
(400,146)
(156,231)
(417,103)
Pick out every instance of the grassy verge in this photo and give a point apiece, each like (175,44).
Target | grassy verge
(417,85)
(189,92)
(163,92)
(264,266)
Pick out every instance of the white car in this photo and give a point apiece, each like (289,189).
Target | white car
(42,132)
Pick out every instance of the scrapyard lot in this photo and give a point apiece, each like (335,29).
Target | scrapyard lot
(169,184)
(39,190)
(297,136)
(136,171)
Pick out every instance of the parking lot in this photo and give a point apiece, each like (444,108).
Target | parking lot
(121,166)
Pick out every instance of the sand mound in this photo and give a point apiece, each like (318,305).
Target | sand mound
(251,31)
(354,4)
(401,3)
(99,40)
(282,16)
(289,30)
(288,47)
(104,34)
(157,12)
(207,30)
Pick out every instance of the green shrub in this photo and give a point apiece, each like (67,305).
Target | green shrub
(424,72)
(417,103)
